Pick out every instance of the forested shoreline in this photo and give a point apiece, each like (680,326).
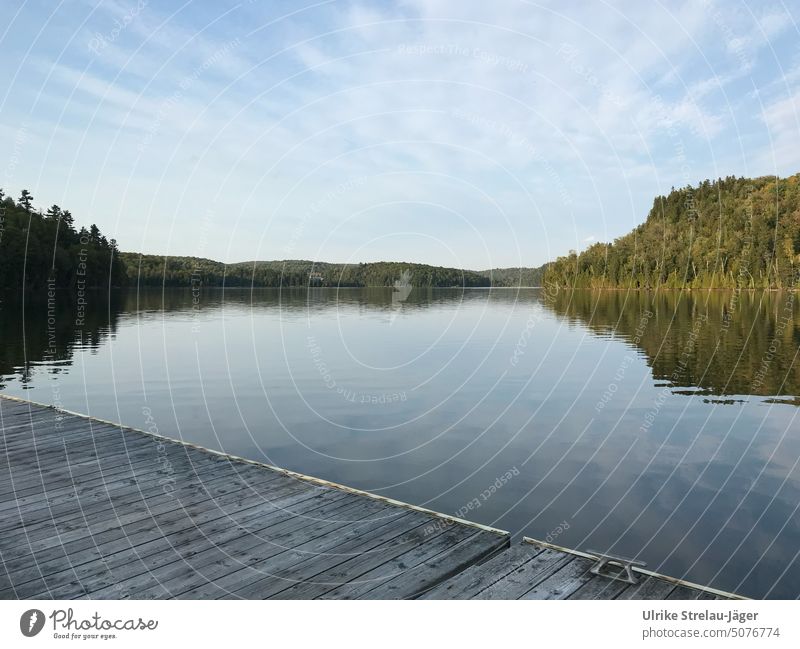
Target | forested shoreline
(729,233)
(155,270)
(46,250)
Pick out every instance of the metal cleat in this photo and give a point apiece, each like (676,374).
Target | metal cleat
(604,560)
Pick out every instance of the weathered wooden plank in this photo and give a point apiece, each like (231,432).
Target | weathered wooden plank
(35,454)
(182,538)
(35,509)
(179,522)
(227,558)
(352,570)
(684,592)
(564,582)
(52,487)
(12,405)
(183,493)
(37,451)
(479,577)
(32,481)
(419,578)
(648,588)
(47,432)
(599,588)
(219,480)
(8,420)
(107,439)
(706,596)
(95,483)
(193,496)
(161,469)
(303,565)
(91,505)
(79,528)
(10,426)
(378,541)
(427,546)
(146,527)
(108,468)
(46,423)
(27,481)
(19,427)
(242,561)
(517,583)
(33,415)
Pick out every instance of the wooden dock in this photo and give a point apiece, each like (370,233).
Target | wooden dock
(537,570)
(92,509)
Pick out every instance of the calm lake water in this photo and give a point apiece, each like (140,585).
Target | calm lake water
(656,425)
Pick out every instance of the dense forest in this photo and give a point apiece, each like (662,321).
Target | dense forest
(155,270)
(39,250)
(515,276)
(730,233)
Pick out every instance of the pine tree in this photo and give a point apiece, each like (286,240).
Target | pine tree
(25,200)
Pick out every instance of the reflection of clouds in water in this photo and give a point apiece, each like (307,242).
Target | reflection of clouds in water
(231,387)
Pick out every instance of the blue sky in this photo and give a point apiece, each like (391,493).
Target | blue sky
(458,133)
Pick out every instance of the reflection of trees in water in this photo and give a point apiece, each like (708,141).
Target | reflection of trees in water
(35,330)
(723,342)
(302,299)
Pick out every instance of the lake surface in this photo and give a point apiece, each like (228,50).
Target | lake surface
(657,425)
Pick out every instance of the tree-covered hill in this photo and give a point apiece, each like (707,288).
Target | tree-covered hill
(515,276)
(733,232)
(155,270)
(41,250)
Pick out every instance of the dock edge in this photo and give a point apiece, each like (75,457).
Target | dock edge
(295,474)
(643,571)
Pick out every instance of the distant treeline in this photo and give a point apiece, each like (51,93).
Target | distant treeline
(40,250)
(730,233)
(155,270)
(45,249)
(515,276)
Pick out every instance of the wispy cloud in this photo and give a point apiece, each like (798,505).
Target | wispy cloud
(507,129)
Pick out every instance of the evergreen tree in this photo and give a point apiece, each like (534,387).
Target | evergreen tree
(729,233)
(36,249)
(25,200)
